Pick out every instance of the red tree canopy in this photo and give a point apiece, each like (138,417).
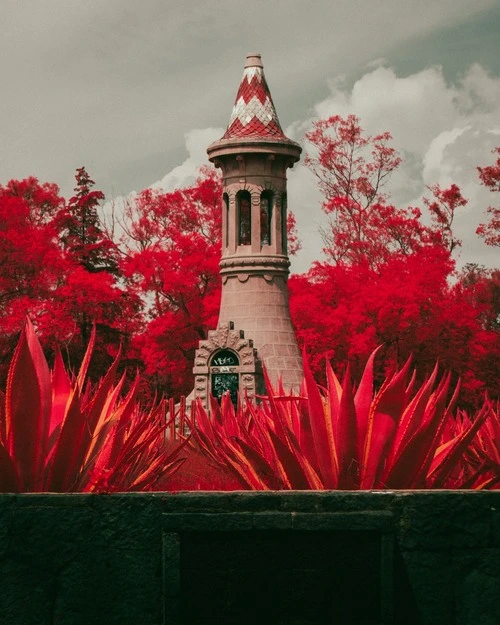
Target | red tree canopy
(490,178)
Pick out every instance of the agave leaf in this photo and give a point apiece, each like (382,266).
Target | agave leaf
(158,470)
(332,407)
(322,432)
(99,453)
(267,448)
(224,453)
(346,441)
(486,441)
(9,478)
(140,437)
(210,446)
(257,473)
(362,401)
(411,464)
(260,435)
(283,443)
(105,418)
(82,373)
(444,462)
(199,418)
(205,434)
(276,410)
(124,414)
(411,386)
(27,409)
(97,462)
(76,439)
(215,410)
(296,424)
(88,418)
(300,473)
(272,448)
(3,420)
(295,477)
(150,469)
(488,483)
(61,391)
(382,422)
(62,470)
(101,397)
(304,435)
(226,416)
(436,432)
(413,418)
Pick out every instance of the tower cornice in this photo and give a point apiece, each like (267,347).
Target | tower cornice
(258,145)
(239,265)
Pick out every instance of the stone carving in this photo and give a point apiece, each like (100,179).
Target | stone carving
(249,368)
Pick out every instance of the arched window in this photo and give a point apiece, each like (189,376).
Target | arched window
(225,358)
(266,214)
(284,234)
(225,197)
(244,202)
(224,373)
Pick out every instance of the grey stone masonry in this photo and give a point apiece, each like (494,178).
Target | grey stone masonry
(385,557)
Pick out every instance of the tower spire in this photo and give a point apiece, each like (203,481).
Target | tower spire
(254,114)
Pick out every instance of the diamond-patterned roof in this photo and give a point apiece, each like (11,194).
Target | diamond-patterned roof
(253,113)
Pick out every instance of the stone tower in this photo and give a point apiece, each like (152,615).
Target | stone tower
(254,327)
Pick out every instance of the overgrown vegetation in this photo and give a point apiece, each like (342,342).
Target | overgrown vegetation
(59,434)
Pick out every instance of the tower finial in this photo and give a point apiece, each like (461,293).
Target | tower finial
(254,60)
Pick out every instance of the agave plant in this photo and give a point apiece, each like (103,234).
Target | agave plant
(59,434)
(486,448)
(479,465)
(342,437)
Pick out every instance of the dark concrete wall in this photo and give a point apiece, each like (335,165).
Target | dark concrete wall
(409,558)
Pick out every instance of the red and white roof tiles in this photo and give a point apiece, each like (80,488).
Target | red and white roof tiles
(253,113)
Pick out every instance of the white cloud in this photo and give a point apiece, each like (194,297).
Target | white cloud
(304,200)
(436,170)
(413,108)
(479,95)
(443,130)
(183,175)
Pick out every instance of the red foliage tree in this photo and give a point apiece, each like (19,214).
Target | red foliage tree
(57,266)
(387,278)
(92,293)
(490,178)
(172,253)
(410,308)
(80,229)
(442,210)
(352,170)
(32,267)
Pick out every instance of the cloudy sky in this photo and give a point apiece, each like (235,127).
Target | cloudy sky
(136,90)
